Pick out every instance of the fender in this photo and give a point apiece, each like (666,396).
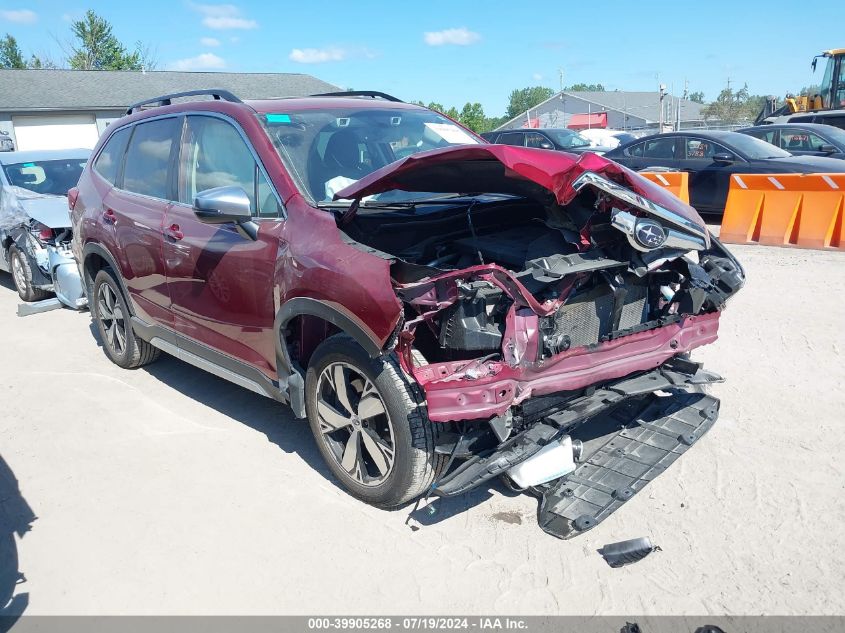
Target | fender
(94,248)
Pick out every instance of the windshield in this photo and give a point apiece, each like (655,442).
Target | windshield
(836,135)
(327,150)
(754,148)
(51,177)
(567,138)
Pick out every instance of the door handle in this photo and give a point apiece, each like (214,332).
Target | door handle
(174,232)
(109,216)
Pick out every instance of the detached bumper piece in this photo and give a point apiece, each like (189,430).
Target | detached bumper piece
(657,430)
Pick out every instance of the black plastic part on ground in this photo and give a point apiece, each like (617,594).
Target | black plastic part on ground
(676,373)
(656,430)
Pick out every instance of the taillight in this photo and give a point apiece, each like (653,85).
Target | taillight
(45,234)
(72,196)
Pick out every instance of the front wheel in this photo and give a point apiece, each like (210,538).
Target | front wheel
(369,426)
(22,275)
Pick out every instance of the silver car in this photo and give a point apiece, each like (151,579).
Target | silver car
(35,223)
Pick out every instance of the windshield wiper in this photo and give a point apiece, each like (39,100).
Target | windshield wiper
(444,199)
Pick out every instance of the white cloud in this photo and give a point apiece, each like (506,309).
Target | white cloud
(203,61)
(537,77)
(317,55)
(458,37)
(234,39)
(209,42)
(19,16)
(223,16)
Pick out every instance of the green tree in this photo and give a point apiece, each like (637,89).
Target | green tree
(734,106)
(585,88)
(97,48)
(811,90)
(526,98)
(472,116)
(10,53)
(697,97)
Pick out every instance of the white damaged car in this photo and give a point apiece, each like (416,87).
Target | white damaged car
(35,229)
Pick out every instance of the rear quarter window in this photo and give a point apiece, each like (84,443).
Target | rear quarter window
(108,162)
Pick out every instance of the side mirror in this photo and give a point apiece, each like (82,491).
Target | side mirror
(723,157)
(828,149)
(225,205)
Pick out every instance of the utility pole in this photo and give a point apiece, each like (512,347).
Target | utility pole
(662,96)
(560,75)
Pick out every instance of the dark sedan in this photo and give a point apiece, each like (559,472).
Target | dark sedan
(711,157)
(562,139)
(802,139)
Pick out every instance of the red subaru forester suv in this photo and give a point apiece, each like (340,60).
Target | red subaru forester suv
(442,310)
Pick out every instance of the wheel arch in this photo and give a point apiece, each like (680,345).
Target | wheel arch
(301,310)
(94,258)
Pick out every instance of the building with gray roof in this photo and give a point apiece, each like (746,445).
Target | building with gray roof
(61,109)
(624,111)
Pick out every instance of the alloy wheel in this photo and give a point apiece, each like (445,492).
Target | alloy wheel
(18,272)
(111,317)
(354,424)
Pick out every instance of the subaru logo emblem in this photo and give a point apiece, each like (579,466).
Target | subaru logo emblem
(649,234)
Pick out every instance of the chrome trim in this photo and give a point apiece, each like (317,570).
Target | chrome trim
(644,204)
(627,223)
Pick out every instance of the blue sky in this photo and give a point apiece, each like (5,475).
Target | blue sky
(458,51)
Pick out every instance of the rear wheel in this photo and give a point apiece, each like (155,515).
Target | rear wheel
(22,275)
(369,425)
(112,316)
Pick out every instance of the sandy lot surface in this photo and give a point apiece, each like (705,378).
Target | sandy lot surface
(167,490)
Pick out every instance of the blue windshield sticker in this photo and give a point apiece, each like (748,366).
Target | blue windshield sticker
(29,164)
(278,118)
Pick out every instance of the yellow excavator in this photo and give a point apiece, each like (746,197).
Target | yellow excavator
(827,106)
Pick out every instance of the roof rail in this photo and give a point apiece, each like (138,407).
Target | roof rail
(361,93)
(164,100)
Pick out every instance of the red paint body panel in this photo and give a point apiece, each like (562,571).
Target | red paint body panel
(456,397)
(527,172)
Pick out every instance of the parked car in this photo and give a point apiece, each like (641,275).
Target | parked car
(712,157)
(802,139)
(439,319)
(35,223)
(6,143)
(561,139)
(833,118)
(606,138)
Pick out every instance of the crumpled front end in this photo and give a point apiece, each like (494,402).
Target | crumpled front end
(566,292)
(39,227)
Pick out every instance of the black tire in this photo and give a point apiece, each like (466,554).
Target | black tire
(415,464)
(111,315)
(22,276)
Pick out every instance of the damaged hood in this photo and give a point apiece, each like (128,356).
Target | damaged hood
(522,171)
(21,204)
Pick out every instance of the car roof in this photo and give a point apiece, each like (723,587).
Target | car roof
(296,104)
(29,156)
(820,127)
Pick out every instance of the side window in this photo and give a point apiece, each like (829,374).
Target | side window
(108,162)
(511,138)
(215,155)
(635,150)
(795,139)
(533,139)
(663,148)
(701,149)
(148,158)
(268,204)
(764,135)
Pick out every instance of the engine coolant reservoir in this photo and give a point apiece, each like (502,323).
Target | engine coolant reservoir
(554,460)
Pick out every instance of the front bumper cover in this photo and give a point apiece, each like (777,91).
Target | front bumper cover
(460,397)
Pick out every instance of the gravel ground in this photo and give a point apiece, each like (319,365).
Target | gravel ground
(167,490)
